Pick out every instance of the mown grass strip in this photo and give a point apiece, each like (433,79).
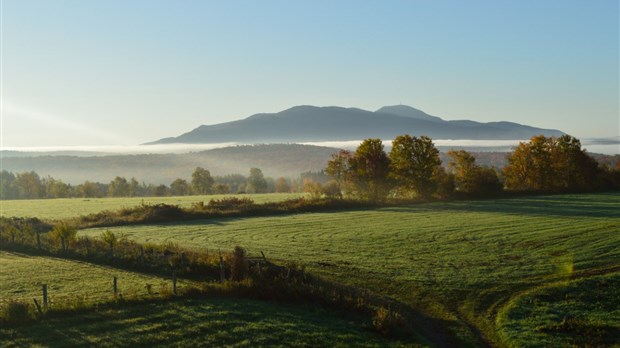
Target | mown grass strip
(200,322)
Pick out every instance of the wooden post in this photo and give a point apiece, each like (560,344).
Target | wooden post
(174,281)
(36,303)
(45,295)
(115,288)
(38,241)
(222,275)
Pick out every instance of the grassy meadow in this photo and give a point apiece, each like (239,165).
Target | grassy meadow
(206,322)
(21,277)
(61,208)
(458,263)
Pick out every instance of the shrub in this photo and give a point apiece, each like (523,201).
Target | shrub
(230,203)
(387,321)
(16,313)
(239,266)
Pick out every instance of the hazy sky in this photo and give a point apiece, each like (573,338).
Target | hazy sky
(107,72)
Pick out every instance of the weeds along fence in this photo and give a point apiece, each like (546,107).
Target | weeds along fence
(214,274)
(48,297)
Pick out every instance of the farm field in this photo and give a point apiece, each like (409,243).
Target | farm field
(21,277)
(587,306)
(62,208)
(460,262)
(206,322)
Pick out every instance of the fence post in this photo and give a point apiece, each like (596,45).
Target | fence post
(174,281)
(45,295)
(36,303)
(222,275)
(115,288)
(259,271)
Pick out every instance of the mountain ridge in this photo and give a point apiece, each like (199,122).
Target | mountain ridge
(307,123)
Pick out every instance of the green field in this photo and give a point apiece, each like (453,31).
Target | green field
(457,263)
(21,277)
(62,208)
(551,315)
(200,323)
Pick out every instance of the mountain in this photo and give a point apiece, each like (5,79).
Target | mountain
(310,124)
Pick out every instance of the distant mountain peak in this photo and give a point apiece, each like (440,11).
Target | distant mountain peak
(307,123)
(407,111)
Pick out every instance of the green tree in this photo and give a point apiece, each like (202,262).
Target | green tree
(160,190)
(8,185)
(134,188)
(55,188)
(369,168)
(110,239)
(256,181)
(89,190)
(338,167)
(29,185)
(64,233)
(221,189)
(119,187)
(179,187)
(413,162)
(202,182)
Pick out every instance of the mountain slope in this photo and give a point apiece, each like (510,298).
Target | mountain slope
(310,123)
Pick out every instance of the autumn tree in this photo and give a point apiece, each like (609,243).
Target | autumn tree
(369,168)
(470,178)
(551,164)
(413,162)
(202,182)
(282,185)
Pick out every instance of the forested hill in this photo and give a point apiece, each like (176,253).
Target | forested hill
(311,123)
(274,160)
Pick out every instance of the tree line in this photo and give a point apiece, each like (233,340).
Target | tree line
(413,168)
(29,185)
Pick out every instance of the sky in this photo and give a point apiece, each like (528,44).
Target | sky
(125,72)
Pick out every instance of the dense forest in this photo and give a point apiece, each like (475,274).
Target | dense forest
(29,185)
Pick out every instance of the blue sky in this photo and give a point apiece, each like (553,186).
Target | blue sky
(108,72)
